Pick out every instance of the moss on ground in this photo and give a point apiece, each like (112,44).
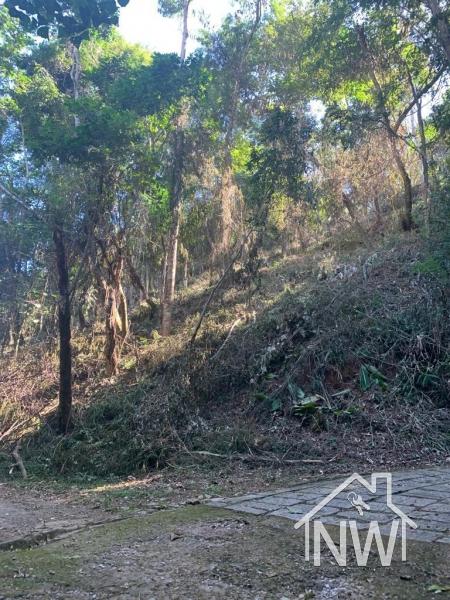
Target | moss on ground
(203,553)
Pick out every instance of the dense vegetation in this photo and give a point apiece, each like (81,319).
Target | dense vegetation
(242,251)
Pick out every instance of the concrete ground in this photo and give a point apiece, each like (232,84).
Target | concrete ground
(239,548)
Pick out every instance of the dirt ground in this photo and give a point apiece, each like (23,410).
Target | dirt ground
(154,540)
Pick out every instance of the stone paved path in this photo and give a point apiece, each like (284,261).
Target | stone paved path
(27,516)
(423,495)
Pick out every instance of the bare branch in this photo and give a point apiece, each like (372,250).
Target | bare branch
(418,95)
(20,202)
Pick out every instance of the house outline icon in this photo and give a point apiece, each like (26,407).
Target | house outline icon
(372,488)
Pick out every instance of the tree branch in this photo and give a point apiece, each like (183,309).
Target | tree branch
(215,288)
(418,95)
(20,202)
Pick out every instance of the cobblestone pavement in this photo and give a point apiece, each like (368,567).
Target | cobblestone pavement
(423,495)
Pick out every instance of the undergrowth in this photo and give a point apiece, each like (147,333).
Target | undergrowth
(332,359)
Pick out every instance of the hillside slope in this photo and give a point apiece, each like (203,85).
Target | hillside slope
(338,357)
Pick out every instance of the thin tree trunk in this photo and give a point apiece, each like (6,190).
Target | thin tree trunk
(111,346)
(123,313)
(64,325)
(116,315)
(18,341)
(425,168)
(186,271)
(164,273)
(170,267)
(81,318)
(75,74)
(407,220)
(423,155)
(42,318)
(64,304)
(228,186)
(136,280)
(171,273)
(423,152)
(185,34)
(215,288)
(225,217)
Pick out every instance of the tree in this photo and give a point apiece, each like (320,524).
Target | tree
(441,25)
(233,56)
(65,19)
(98,144)
(426,22)
(172,7)
(374,83)
(277,167)
(70,20)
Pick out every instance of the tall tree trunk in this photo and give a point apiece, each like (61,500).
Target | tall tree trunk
(164,272)
(224,229)
(75,74)
(228,187)
(185,33)
(186,270)
(171,273)
(64,326)
(423,151)
(116,314)
(425,168)
(423,155)
(64,303)
(171,260)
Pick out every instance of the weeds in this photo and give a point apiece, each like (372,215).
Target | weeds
(360,354)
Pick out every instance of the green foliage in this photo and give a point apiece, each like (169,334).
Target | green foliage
(277,165)
(12,41)
(170,8)
(241,155)
(101,444)
(348,126)
(133,79)
(441,118)
(64,18)
(370,376)
(430,266)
